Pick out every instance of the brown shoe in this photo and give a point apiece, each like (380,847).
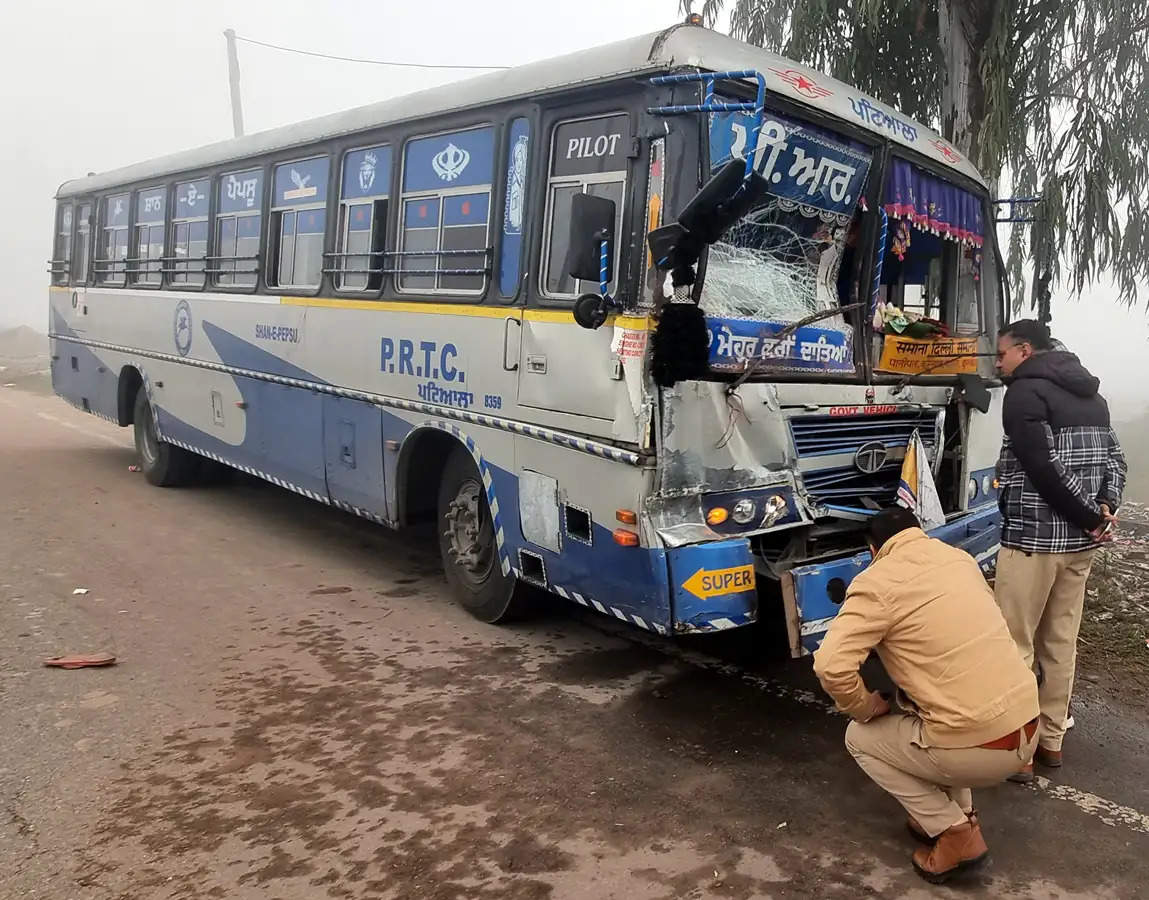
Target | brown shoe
(1051,759)
(957,849)
(920,834)
(1024,776)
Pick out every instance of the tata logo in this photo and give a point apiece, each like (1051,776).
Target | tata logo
(182,328)
(871,457)
(450,162)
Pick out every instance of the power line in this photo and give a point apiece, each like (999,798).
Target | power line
(373,62)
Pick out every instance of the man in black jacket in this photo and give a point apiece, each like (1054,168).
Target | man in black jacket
(1060,479)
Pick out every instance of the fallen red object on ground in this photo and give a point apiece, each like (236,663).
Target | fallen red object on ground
(81,661)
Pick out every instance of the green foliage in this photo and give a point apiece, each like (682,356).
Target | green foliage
(1057,101)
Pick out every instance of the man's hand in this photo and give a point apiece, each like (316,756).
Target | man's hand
(879,706)
(1104,532)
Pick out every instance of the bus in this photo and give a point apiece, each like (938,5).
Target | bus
(456,307)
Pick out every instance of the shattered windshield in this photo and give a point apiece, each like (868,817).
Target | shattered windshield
(792,255)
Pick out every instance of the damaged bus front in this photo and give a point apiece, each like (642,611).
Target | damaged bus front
(826,308)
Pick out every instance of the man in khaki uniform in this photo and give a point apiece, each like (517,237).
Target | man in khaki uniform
(1060,479)
(971,700)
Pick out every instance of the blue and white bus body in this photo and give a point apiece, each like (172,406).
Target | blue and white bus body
(355,400)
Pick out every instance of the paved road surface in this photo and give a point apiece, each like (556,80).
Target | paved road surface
(301,712)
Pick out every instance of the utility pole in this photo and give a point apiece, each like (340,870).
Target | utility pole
(233,81)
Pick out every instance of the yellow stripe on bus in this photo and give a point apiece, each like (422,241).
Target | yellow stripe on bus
(560,316)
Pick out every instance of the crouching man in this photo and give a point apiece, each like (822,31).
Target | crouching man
(971,700)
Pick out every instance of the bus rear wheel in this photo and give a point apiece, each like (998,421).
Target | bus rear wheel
(468,545)
(163,464)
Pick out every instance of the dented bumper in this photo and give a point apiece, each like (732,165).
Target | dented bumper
(813,593)
(714,586)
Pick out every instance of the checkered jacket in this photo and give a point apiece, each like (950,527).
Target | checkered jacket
(1060,459)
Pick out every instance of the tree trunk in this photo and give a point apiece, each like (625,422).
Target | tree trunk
(954,33)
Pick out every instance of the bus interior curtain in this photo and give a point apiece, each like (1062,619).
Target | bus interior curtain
(933,205)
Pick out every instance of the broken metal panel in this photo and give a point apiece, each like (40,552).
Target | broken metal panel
(717,442)
(539,509)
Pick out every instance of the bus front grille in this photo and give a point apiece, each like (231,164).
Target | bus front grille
(826,448)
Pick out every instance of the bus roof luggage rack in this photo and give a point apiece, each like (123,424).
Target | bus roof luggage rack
(709,104)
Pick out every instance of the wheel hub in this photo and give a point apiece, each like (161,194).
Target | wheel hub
(149,447)
(468,541)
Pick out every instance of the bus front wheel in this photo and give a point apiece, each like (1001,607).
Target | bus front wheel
(468,546)
(163,464)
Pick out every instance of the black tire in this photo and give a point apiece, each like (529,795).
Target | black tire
(471,561)
(163,464)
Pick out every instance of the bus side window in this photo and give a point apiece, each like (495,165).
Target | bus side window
(61,263)
(238,223)
(189,233)
(83,243)
(111,260)
(445,215)
(148,252)
(362,227)
(588,156)
(298,224)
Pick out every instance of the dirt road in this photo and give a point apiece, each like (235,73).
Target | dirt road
(301,712)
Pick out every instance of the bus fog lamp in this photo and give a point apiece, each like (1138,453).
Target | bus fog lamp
(743,511)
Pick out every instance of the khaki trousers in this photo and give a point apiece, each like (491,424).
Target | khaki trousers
(932,783)
(1041,596)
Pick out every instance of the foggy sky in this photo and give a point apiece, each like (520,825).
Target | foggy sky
(93,86)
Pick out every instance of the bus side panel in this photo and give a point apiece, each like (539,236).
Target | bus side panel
(87,379)
(353,455)
(581,560)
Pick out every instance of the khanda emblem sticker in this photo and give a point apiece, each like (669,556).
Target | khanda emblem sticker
(182,328)
(450,162)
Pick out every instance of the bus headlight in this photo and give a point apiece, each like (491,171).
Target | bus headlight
(971,490)
(743,511)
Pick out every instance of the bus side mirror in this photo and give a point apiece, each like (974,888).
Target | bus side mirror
(592,223)
(722,201)
(973,391)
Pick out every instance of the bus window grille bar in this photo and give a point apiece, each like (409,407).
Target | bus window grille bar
(709,104)
(252,271)
(110,265)
(345,255)
(252,258)
(486,271)
(485,251)
(342,271)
